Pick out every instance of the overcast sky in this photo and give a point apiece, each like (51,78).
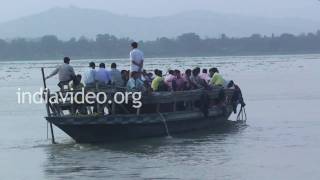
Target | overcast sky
(12,9)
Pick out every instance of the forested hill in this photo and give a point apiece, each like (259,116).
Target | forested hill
(70,22)
(189,44)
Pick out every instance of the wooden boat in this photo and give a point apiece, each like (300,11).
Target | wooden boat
(162,114)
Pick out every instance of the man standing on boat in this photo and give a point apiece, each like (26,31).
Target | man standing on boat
(65,71)
(136,58)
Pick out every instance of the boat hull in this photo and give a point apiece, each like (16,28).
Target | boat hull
(101,129)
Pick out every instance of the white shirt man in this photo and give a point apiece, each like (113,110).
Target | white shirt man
(136,58)
(89,76)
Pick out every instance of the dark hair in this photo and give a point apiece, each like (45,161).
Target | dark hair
(177,73)
(188,72)
(171,72)
(102,65)
(134,45)
(77,80)
(150,74)
(230,84)
(92,64)
(198,69)
(123,72)
(214,70)
(195,72)
(114,65)
(158,72)
(204,71)
(66,60)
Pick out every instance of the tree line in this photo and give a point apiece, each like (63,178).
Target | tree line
(188,44)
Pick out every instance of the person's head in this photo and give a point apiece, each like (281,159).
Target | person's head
(150,75)
(125,74)
(102,65)
(204,71)
(66,60)
(114,66)
(196,71)
(157,72)
(171,72)
(188,72)
(78,77)
(134,45)
(144,72)
(134,75)
(212,71)
(178,73)
(230,84)
(77,80)
(92,65)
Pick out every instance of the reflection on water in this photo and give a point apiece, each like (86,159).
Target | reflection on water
(139,158)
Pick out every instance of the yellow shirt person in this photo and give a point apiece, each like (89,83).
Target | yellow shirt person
(217,79)
(156,82)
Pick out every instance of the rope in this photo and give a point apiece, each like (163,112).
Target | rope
(47,130)
(242,115)
(165,124)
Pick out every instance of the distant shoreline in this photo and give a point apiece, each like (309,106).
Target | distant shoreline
(160,57)
(107,46)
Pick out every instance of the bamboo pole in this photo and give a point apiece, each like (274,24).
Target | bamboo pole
(47,105)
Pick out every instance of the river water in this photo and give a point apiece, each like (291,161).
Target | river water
(281,139)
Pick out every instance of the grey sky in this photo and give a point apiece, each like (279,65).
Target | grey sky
(11,9)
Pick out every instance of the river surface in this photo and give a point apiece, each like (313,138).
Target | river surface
(281,139)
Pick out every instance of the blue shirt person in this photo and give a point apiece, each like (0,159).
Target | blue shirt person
(102,76)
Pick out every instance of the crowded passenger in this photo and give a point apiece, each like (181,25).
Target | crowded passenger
(196,80)
(187,78)
(77,84)
(135,83)
(237,96)
(169,79)
(179,82)
(146,77)
(137,79)
(158,82)
(66,73)
(216,78)
(89,75)
(125,77)
(204,75)
(102,76)
(116,77)
(173,81)
(140,79)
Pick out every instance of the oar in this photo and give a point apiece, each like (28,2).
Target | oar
(47,107)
